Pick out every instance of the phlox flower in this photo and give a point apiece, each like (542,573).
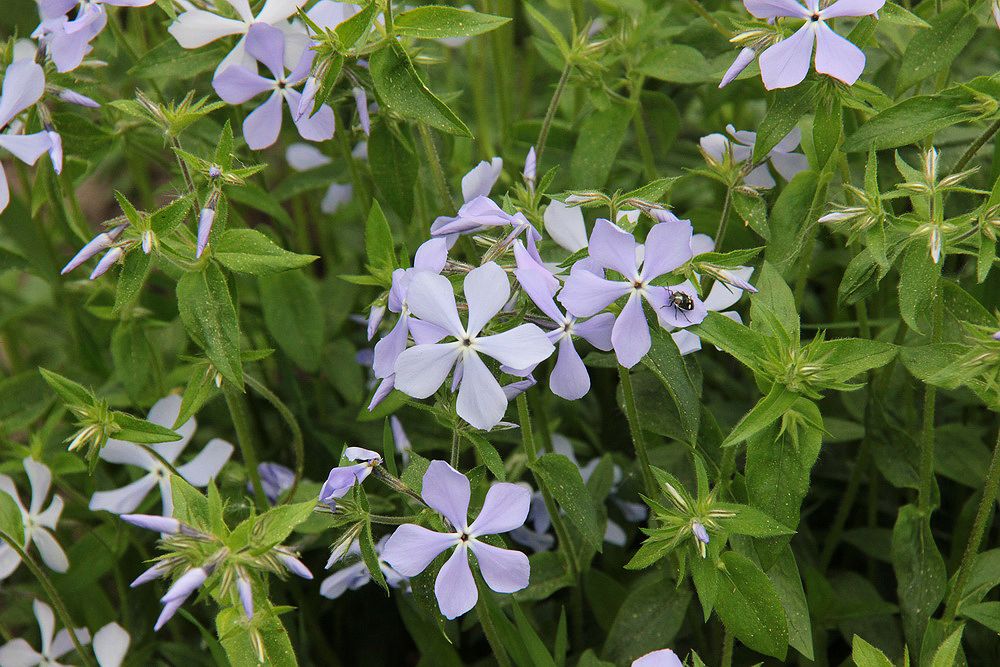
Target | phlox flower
(67,42)
(587,292)
(483,213)
(786,63)
(564,225)
(739,145)
(303,157)
(275,480)
(38,524)
(342,478)
(111,643)
(236,84)
(400,439)
(534,534)
(661,658)
(23,85)
(478,182)
(18,652)
(421,369)
(411,548)
(569,378)
(198,471)
(720,297)
(198,27)
(356,575)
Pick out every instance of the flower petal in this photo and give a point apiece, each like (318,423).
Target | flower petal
(585,293)
(789,164)
(630,335)
(267,45)
(596,330)
(520,347)
(537,282)
(481,179)
(760,177)
(261,127)
(390,346)
(569,378)
(411,548)
(320,126)
(852,8)
(447,491)
(431,297)
(40,479)
(772,9)
(564,224)
(614,248)
(278,10)
(23,85)
(487,289)
(110,645)
(837,56)
(164,413)
(207,464)
(18,653)
(504,570)
(62,644)
(431,255)
(668,247)
(352,577)
(50,517)
(481,400)
(722,296)
(26,147)
(303,157)
(196,27)
(236,84)
(505,508)
(786,63)
(421,369)
(454,588)
(52,554)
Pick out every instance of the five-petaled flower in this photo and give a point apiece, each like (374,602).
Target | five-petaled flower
(236,84)
(53,646)
(342,478)
(198,471)
(23,85)
(421,369)
(356,575)
(38,524)
(587,292)
(411,548)
(786,63)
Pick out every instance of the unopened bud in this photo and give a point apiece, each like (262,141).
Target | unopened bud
(205,222)
(109,259)
(361,101)
(743,60)
(100,242)
(530,166)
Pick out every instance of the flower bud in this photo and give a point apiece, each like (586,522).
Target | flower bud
(361,101)
(996,336)
(294,565)
(205,221)
(743,60)
(55,148)
(168,612)
(160,524)
(94,246)
(530,166)
(73,97)
(148,241)
(188,583)
(246,595)
(375,316)
(155,572)
(700,532)
(110,257)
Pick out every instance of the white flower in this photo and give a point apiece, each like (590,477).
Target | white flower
(19,653)
(198,471)
(38,524)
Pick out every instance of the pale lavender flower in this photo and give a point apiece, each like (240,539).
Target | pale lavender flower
(478,182)
(661,658)
(55,148)
(587,292)
(996,336)
(483,213)
(342,478)
(786,63)
(109,259)
(743,60)
(38,524)
(411,548)
(101,242)
(111,644)
(237,84)
(400,439)
(361,102)
(699,532)
(275,478)
(19,653)
(420,370)
(66,46)
(564,225)
(156,571)
(375,315)
(198,471)
(782,157)
(325,14)
(569,378)
(160,524)
(356,575)
(79,99)
(206,219)
(294,565)
(534,534)
(304,157)
(196,28)
(23,85)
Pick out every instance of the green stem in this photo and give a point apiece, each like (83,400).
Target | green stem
(927,429)
(727,649)
(976,145)
(550,113)
(53,596)
(531,451)
(641,135)
(394,520)
(298,443)
(711,20)
(437,171)
(720,233)
(984,514)
(240,414)
(455,439)
(632,414)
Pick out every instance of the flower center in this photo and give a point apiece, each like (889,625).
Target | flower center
(814,17)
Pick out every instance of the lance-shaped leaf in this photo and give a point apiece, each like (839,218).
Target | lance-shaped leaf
(207,311)
(249,251)
(768,410)
(438,22)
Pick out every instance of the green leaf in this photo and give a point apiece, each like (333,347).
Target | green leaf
(190,506)
(357,26)
(436,22)
(986,614)
(394,168)
(742,342)
(785,109)
(401,90)
(752,210)
(934,49)
(667,364)
(648,619)
(752,522)
(866,655)
(827,129)
(134,429)
(294,316)
(566,485)
(600,137)
(768,410)
(845,358)
(948,650)
(11,521)
(920,571)
(378,241)
(488,453)
(249,251)
(370,557)
(909,122)
(276,524)
(549,29)
(135,270)
(918,279)
(677,63)
(790,219)
(750,607)
(207,311)
(240,647)
(784,575)
(72,393)
(774,295)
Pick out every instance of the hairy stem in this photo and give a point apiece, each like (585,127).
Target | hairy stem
(550,113)
(984,514)
(298,443)
(437,171)
(927,429)
(720,233)
(632,414)
(976,145)
(53,596)
(240,414)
